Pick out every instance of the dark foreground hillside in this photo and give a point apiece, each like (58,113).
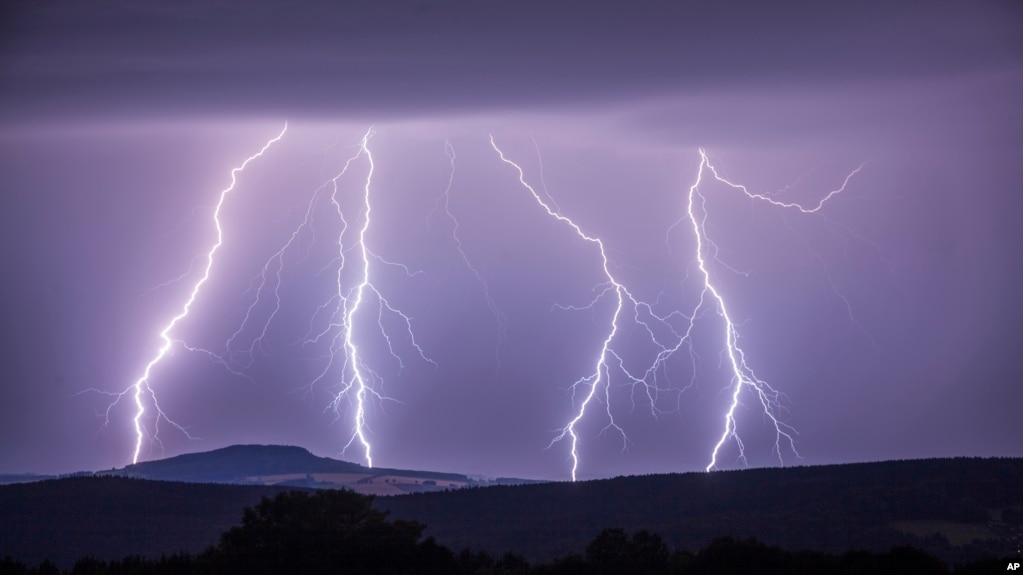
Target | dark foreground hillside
(325,532)
(111,517)
(957,509)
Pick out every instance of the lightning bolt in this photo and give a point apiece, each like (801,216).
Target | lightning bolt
(360,372)
(743,378)
(346,306)
(359,381)
(355,293)
(142,386)
(597,382)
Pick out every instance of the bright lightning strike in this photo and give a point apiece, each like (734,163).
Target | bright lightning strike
(346,306)
(742,375)
(355,293)
(359,371)
(142,386)
(598,381)
(744,379)
(359,381)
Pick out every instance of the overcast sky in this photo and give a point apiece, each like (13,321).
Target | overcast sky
(888,319)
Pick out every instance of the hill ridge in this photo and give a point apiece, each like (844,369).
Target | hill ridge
(260,464)
(959,509)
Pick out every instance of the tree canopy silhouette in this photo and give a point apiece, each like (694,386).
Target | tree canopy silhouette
(614,552)
(324,531)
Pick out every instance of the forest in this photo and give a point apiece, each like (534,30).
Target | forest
(959,511)
(339,531)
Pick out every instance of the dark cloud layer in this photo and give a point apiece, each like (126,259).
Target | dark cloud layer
(400,58)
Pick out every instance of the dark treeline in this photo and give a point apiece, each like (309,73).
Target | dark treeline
(831,509)
(110,517)
(958,510)
(341,532)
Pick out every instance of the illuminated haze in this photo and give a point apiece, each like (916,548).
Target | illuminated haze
(888,319)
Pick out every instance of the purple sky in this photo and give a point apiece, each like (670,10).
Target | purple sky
(889,319)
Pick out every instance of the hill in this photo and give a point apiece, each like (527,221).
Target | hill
(290,466)
(957,509)
(111,517)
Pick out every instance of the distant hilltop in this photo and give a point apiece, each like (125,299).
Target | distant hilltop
(293,466)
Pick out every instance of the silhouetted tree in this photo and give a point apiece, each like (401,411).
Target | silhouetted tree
(89,566)
(612,551)
(905,559)
(726,555)
(473,563)
(572,564)
(327,531)
(47,568)
(9,566)
(512,564)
